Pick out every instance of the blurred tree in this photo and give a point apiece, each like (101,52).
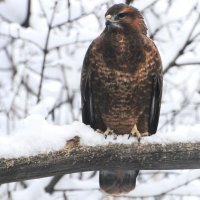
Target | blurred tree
(47,57)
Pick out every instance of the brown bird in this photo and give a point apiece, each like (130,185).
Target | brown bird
(121,85)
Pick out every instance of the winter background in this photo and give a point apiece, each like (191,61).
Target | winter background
(41,55)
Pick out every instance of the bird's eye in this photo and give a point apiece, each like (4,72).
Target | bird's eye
(121,15)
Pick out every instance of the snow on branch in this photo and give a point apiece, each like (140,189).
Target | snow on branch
(173,186)
(38,149)
(76,158)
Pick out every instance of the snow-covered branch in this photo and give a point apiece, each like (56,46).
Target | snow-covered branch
(39,149)
(77,158)
(42,46)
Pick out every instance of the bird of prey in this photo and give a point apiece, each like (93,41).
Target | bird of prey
(121,85)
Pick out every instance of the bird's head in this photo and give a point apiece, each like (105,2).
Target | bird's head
(126,18)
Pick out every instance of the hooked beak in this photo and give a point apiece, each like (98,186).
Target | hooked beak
(111,22)
(108,17)
(108,20)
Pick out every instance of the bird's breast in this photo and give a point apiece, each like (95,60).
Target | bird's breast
(119,80)
(114,97)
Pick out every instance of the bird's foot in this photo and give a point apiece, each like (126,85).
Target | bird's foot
(106,133)
(136,133)
(109,132)
(145,134)
(114,136)
(99,131)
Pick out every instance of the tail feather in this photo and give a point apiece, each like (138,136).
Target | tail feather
(117,181)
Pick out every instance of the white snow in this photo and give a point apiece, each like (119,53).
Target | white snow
(52,88)
(14,10)
(140,5)
(34,191)
(173,185)
(165,185)
(4,60)
(77,11)
(34,135)
(28,34)
(43,107)
(48,137)
(17,82)
(183,36)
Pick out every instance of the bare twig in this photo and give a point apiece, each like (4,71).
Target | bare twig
(50,187)
(182,49)
(45,50)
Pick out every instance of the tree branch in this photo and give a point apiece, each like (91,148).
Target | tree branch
(75,158)
(45,51)
(180,52)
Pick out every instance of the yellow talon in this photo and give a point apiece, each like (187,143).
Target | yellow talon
(136,133)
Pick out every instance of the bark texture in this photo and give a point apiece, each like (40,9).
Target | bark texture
(76,158)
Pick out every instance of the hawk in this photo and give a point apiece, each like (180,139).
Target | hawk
(121,85)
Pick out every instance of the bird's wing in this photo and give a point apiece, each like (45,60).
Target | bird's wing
(155,103)
(155,75)
(86,91)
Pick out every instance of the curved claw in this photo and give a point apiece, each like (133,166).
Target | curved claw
(136,133)
(108,132)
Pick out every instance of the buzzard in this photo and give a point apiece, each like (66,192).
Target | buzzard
(121,85)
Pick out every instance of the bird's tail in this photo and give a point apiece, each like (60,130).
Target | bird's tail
(117,181)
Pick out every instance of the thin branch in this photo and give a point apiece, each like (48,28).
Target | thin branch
(27,19)
(150,5)
(46,52)
(19,37)
(181,50)
(50,187)
(187,63)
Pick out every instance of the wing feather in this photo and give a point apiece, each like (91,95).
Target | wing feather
(155,104)
(86,92)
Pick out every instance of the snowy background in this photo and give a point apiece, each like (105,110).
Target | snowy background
(41,54)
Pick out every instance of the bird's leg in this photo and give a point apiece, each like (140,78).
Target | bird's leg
(145,134)
(108,132)
(135,133)
(99,131)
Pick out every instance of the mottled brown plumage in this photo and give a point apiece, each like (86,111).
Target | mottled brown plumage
(121,84)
